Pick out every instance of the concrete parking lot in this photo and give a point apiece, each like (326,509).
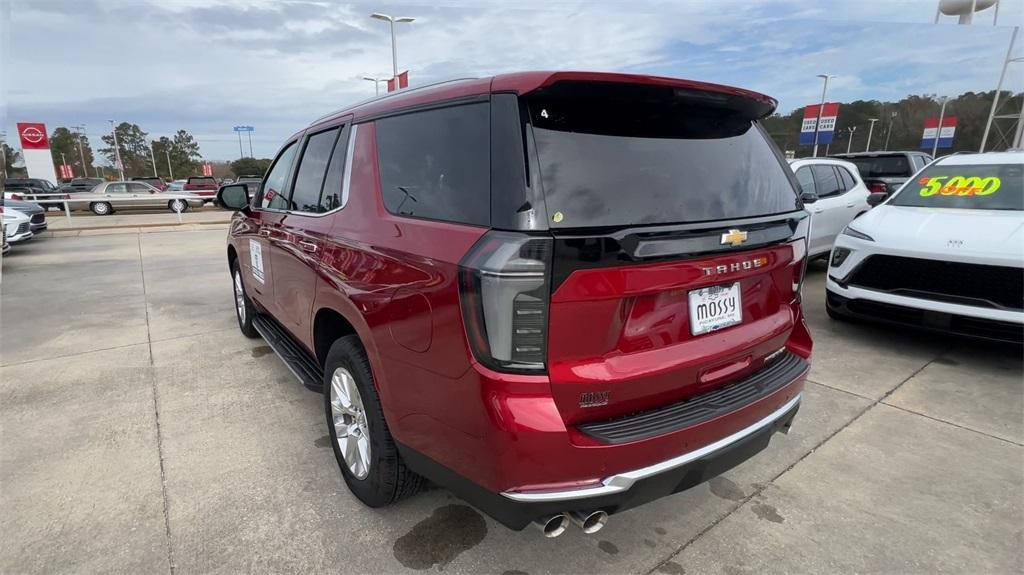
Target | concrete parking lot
(141,432)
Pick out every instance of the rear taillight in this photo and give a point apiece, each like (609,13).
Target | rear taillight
(799,262)
(879,188)
(505,290)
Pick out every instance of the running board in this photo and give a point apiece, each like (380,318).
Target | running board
(290,352)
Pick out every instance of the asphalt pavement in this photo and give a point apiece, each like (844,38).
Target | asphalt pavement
(140,432)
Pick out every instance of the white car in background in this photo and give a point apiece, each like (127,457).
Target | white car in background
(945,252)
(834,194)
(16,226)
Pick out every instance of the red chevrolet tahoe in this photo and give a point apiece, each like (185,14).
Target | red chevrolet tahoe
(202,186)
(559,295)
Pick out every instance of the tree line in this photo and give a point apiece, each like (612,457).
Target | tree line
(900,124)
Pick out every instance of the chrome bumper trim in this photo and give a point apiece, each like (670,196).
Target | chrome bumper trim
(623,481)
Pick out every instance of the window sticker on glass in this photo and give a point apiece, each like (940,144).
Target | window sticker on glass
(959,185)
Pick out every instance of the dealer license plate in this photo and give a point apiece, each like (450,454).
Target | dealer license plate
(713,308)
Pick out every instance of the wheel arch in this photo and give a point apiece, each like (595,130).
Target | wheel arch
(329,326)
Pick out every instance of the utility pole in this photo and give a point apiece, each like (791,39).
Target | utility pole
(938,130)
(117,152)
(3,154)
(81,153)
(871,130)
(888,131)
(817,126)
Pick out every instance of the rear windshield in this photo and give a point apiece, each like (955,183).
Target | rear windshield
(883,166)
(202,181)
(979,187)
(652,158)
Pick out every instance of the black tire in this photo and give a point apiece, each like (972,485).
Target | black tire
(184,205)
(243,311)
(388,479)
(101,208)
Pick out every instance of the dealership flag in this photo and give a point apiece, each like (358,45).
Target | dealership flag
(828,123)
(945,135)
(403,82)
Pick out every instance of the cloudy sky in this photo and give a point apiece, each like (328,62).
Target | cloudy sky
(208,65)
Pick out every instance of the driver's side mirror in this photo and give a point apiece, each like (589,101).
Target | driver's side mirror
(233,197)
(876,198)
(808,197)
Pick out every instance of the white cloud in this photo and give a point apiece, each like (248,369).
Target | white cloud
(205,65)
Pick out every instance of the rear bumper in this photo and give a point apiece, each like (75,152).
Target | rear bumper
(619,491)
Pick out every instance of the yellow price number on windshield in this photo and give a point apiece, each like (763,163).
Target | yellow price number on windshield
(959,186)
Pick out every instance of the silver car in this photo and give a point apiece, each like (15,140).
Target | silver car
(107,197)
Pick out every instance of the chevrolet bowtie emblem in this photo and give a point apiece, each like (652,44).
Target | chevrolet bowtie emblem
(734,237)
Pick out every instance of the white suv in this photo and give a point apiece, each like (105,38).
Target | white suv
(945,252)
(834,194)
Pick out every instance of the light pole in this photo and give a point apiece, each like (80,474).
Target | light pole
(170,170)
(117,152)
(849,144)
(3,154)
(152,156)
(81,153)
(394,46)
(938,130)
(871,129)
(376,83)
(817,126)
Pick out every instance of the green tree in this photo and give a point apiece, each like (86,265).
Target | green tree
(133,147)
(10,157)
(63,140)
(250,167)
(181,151)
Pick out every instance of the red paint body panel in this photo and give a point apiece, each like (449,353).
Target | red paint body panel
(619,329)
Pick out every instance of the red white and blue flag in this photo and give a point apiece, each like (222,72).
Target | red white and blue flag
(828,123)
(945,135)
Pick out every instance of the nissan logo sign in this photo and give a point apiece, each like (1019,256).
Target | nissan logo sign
(32,135)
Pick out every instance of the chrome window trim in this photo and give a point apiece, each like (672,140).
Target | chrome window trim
(623,481)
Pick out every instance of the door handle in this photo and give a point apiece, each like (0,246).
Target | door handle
(849,205)
(307,246)
(819,210)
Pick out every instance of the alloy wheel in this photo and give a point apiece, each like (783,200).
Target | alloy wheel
(239,297)
(350,427)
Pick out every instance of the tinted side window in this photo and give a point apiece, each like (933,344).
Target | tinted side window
(849,182)
(312,169)
(333,195)
(436,164)
(274,195)
(117,189)
(826,181)
(803,175)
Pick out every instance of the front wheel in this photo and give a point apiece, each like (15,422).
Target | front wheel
(243,305)
(177,206)
(101,209)
(362,442)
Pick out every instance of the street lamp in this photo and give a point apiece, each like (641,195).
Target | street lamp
(170,170)
(117,152)
(888,131)
(394,47)
(376,83)
(817,126)
(849,144)
(3,154)
(871,129)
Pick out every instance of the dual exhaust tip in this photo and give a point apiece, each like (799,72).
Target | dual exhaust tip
(588,521)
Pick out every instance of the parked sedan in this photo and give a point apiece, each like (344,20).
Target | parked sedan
(35,212)
(834,194)
(105,198)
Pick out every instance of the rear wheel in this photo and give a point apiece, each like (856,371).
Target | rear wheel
(101,208)
(243,305)
(362,442)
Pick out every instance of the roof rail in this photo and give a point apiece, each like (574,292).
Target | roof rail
(389,95)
